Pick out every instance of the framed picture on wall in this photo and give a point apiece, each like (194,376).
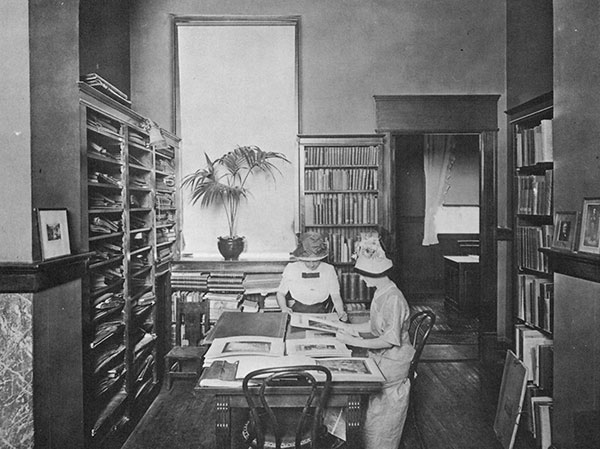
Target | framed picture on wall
(589,239)
(565,230)
(54,233)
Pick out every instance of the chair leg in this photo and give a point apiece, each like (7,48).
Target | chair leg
(413,418)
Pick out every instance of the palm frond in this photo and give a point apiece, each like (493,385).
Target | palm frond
(223,180)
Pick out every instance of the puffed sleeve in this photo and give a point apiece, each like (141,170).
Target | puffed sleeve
(394,314)
(333,282)
(284,285)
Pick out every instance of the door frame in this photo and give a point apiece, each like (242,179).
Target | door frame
(474,114)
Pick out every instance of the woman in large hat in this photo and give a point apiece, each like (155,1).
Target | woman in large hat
(308,284)
(389,346)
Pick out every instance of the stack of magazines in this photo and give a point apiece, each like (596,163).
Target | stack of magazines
(97,82)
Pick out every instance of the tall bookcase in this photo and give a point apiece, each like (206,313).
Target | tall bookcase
(530,132)
(130,226)
(340,197)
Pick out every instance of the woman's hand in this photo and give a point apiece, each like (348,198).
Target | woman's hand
(346,338)
(343,317)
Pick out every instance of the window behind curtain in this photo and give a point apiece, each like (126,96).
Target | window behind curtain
(238,86)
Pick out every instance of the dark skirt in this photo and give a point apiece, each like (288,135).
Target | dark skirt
(321,307)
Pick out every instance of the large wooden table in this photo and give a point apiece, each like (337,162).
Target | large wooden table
(351,395)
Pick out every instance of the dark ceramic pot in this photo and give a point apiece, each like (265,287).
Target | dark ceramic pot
(231,247)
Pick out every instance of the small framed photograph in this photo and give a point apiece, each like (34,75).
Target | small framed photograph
(54,233)
(565,230)
(589,240)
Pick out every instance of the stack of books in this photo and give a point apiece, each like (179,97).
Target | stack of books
(189,280)
(221,302)
(99,83)
(261,283)
(226,282)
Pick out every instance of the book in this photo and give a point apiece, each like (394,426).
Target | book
(232,324)
(536,402)
(545,362)
(544,425)
(343,369)
(317,347)
(327,322)
(352,369)
(220,373)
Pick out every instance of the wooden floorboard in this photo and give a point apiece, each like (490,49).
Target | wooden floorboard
(455,409)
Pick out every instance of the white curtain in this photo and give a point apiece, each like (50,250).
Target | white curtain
(438,161)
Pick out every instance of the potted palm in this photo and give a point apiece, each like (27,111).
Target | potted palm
(223,183)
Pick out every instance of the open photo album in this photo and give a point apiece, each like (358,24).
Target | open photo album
(320,322)
(243,345)
(343,369)
(317,347)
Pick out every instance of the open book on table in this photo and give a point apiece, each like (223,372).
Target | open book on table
(343,369)
(245,345)
(327,322)
(317,347)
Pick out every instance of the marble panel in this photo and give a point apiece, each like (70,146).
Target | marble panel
(16,371)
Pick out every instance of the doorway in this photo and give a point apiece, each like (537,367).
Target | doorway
(449,114)
(420,263)
(437,210)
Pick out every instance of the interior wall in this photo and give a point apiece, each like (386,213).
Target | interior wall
(350,51)
(104,41)
(576,168)
(15,134)
(55,138)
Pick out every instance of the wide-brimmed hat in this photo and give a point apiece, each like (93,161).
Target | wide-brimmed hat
(371,259)
(311,247)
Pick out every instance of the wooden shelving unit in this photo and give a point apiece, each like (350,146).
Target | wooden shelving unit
(530,139)
(130,227)
(340,197)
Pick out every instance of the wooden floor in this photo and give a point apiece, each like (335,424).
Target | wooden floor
(455,409)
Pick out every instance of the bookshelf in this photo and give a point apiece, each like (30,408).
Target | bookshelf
(530,138)
(340,197)
(130,227)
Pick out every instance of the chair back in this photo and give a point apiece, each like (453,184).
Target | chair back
(270,379)
(421,324)
(194,315)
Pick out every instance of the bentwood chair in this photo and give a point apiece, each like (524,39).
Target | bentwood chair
(276,427)
(421,324)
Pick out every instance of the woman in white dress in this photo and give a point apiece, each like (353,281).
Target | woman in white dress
(388,344)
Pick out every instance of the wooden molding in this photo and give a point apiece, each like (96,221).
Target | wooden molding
(241,266)
(37,276)
(578,265)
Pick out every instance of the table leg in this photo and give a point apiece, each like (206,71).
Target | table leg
(353,421)
(223,422)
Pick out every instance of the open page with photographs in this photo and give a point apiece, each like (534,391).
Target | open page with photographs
(248,364)
(245,346)
(322,322)
(317,347)
(352,369)
(343,369)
